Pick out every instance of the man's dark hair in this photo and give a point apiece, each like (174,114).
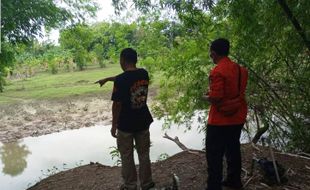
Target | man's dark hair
(130,55)
(220,46)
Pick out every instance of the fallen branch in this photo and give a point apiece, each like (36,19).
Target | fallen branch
(246,172)
(177,141)
(274,164)
(291,187)
(255,147)
(265,185)
(293,155)
(248,181)
(181,145)
(290,172)
(304,154)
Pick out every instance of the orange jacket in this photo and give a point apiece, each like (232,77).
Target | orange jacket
(224,85)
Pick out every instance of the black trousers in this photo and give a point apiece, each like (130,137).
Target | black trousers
(220,141)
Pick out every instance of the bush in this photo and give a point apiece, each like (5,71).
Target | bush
(53,67)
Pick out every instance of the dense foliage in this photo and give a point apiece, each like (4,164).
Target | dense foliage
(270,38)
(22,21)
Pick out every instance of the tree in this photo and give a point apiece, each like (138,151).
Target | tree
(268,44)
(22,21)
(104,40)
(270,38)
(77,39)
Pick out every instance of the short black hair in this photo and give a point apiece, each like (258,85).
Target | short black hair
(130,55)
(220,46)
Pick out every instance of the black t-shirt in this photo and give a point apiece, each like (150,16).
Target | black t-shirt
(131,88)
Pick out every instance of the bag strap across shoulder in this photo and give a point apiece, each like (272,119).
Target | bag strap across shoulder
(239,79)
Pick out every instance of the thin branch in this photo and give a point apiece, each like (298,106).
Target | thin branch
(182,146)
(265,86)
(248,181)
(260,130)
(264,82)
(177,141)
(259,133)
(295,22)
(293,155)
(255,147)
(291,70)
(304,154)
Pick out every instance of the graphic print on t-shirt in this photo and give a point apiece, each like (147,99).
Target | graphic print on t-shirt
(138,93)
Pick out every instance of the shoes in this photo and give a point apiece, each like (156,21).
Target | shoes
(212,189)
(150,186)
(232,185)
(124,187)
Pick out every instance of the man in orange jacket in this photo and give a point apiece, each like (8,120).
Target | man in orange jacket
(226,118)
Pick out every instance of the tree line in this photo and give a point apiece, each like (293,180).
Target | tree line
(270,38)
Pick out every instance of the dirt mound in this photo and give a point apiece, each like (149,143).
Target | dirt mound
(190,167)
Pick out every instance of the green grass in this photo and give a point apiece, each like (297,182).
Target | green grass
(48,86)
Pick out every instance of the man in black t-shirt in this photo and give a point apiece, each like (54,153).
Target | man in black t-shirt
(131,120)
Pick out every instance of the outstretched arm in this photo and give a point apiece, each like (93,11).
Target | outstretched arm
(103,81)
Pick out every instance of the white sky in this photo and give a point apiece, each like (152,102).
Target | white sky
(106,13)
(106,9)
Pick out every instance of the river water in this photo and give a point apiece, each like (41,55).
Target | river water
(31,159)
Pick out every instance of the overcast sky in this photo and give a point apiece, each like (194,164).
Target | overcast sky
(104,14)
(106,11)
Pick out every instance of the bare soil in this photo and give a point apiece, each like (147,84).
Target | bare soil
(36,118)
(189,167)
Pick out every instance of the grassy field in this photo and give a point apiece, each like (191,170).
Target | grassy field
(47,86)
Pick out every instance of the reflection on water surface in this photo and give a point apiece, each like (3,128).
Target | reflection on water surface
(27,161)
(13,157)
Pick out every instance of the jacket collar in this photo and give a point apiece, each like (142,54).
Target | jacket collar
(224,60)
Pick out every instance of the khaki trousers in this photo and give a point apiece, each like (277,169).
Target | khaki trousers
(125,146)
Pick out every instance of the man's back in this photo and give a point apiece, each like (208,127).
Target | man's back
(224,85)
(131,89)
